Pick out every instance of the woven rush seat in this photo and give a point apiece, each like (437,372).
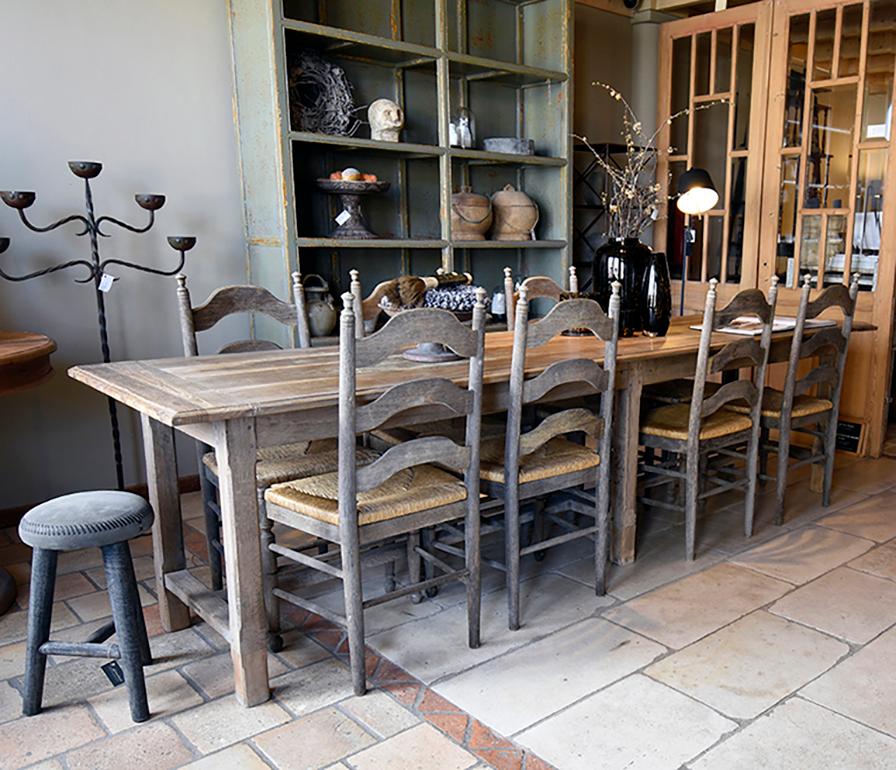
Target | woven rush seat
(86,520)
(772,402)
(275,464)
(411,490)
(677,391)
(557,457)
(672,422)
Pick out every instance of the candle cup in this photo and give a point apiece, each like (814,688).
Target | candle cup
(18,199)
(85,169)
(181,242)
(149,201)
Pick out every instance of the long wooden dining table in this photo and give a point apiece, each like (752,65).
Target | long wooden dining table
(241,402)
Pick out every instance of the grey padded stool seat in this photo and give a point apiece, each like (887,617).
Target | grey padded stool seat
(105,520)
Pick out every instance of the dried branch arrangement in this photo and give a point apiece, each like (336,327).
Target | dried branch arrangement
(320,97)
(634,200)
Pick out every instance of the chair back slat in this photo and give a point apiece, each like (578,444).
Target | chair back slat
(740,354)
(738,390)
(230,300)
(820,375)
(830,339)
(574,420)
(414,326)
(751,352)
(249,346)
(576,370)
(568,315)
(537,286)
(430,449)
(437,395)
(410,395)
(837,295)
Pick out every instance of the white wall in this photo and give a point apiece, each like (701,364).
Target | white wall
(144,87)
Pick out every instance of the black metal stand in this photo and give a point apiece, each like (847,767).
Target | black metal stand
(96,268)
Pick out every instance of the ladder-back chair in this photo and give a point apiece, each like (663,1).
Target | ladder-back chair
(405,489)
(538,286)
(278,463)
(542,460)
(794,410)
(689,433)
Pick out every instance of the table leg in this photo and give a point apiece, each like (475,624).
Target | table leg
(235,448)
(167,530)
(625,467)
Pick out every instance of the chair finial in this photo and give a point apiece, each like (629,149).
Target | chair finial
(181,281)
(524,293)
(348,303)
(481,296)
(296,279)
(508,273)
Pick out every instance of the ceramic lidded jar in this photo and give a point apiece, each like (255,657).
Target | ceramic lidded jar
(319,305)
(516,215)
(471,215)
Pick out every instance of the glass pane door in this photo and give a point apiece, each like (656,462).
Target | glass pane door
(713,67)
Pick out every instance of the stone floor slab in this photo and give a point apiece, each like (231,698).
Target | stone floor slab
(873,518)
(420,748)
(747,667)
(862,687)
(803,506)
(799,735)
(851,605)
(437,646)
(238,757)
(308,689)
(880,561)
(222,722)
(516,690)
(870,477)
(313,741)
(635,724)
(14,625)
(152,745)
(167,694)
(804,554)
(26,741)
(688,609)
(379,713)
(214,675)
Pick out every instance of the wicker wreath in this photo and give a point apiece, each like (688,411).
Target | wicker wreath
(320,96)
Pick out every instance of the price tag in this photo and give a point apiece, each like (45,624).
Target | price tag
(113,672)
(106,281)
(343,217)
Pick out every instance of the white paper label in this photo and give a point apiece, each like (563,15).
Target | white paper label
(106,282)
(343,217)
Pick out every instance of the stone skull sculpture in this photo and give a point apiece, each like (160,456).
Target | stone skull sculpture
(386,120)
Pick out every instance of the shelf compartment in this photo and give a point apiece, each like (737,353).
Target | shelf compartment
(484,157)
(403,149)
(475,68)
(370,243)
(348,44)
(508,244)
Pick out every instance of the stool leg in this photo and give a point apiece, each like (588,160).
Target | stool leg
(125,608)
(140,621)
(40,614)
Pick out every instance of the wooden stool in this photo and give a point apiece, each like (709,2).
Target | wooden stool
(104,520)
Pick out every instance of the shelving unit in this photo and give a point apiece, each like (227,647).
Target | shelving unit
(509,62)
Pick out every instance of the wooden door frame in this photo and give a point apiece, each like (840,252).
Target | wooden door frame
(871,351)
(759,14)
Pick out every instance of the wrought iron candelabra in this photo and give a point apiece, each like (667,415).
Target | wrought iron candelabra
(95,267)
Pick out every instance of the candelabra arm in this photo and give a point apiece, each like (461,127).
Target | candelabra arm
(145,269)
(125,225)
(63,221)
(55,268)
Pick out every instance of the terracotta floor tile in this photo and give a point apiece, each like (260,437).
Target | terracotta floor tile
(14,625)
(799,735)
(688,609)
(167,694)
(222,722)
(313,741)
(96,605)
(420,748)
(10,702)
(32,739)
(153,745)
(238,757)
(308,689)
(12,660)
(65,587)
(379,713)
(747,667)
(214,674)
(851,605)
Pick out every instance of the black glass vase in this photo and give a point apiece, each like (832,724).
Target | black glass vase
(623,261)
(656,296)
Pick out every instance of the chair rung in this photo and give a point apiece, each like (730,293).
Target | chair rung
(306,561)
(659,504)
(423,585)
(102,633)
(659,470)
(307,604)
(559,540)
(81,649)
(435,560)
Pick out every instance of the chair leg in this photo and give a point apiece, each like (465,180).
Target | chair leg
(763,452)
(212,523)
(119,571)
(781,475)
(691,493)
(602,541)
(474,576)
(40,614)
(830,453)
(512,555)
(354,613)
(269,577)
(752,489)
(414,565)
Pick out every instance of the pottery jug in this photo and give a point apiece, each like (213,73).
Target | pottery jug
(471,215)
(319,306)
(516,215)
